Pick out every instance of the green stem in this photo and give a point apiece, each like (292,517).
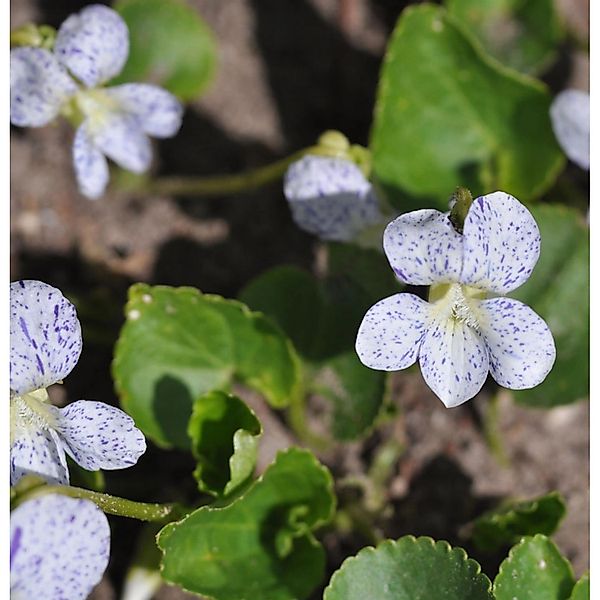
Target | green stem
(224,184)
(143,511)
(492,433)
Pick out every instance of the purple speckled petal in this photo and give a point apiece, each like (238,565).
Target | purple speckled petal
(121,138)
(423,248)
(59,548)
(570,116)
(330,197)
(91,168)
(45,336)
(390,334)
(158,112)
(520,344)
(39,86)
(99,436)
(93,44)
(38,452)
(501,243)
(454,361)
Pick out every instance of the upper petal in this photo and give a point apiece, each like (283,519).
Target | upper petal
(91,168)
(570,116)
(120,137)
(93,44)
(454,361)
(45,336)
(520,344)
(501,243)
(330,197)
(423,248)
(38,452)
(99,436)
(391,331)
(158,112)
(39,85)
(59,548)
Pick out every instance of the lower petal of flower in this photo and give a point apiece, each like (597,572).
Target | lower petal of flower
(454,360)
(520,343)
(91,168)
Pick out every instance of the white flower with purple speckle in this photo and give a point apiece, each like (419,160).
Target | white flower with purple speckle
(461,333)
(59,548)
(330,197)
(45,344)
(570,116)
(91,48)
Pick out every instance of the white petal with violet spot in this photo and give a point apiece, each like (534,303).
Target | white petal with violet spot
(93,44)
(59,548)
(501,243)
(38,452)
(39,86)
(454,361)
(391,331)
(158,112)
(121,138)
(91,168)
(45,336)
(99,436)
(423,248)
(570,116)
(520,343)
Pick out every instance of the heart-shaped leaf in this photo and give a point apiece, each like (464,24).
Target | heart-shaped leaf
(581,591)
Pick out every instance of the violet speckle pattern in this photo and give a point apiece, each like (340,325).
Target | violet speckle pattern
(501,244)
(423,248)
(99,436)
(39,85)
(459,337)
(59,548)
(91,167)
(570,116)
(93,44)
(330,197)
(45,336)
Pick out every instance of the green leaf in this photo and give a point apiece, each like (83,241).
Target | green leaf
(534,570)
(224,434)
(410,569)
(178,344)
(507,524)
(522,34)
(261,545)
(170,46)
(581,591)
(558,290)
(447,115)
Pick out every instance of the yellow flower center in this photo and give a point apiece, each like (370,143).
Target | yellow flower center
(30,411)
(456,302)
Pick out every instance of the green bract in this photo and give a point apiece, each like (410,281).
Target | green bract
(170,46)
(410,569)
(261,545)
(448,115)
(178,344)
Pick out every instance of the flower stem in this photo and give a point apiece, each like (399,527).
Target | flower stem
(143,511)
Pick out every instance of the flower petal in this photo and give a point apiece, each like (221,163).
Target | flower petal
(520,343)
(59,548)
(45,336)
(330,197)
(501,243)
(390,334)
(93,44)
(38,452)
(99,436)
(454,361)
(91,168)
(39,85)
(158,112)
(570,116)
(423,248)
(121,138)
